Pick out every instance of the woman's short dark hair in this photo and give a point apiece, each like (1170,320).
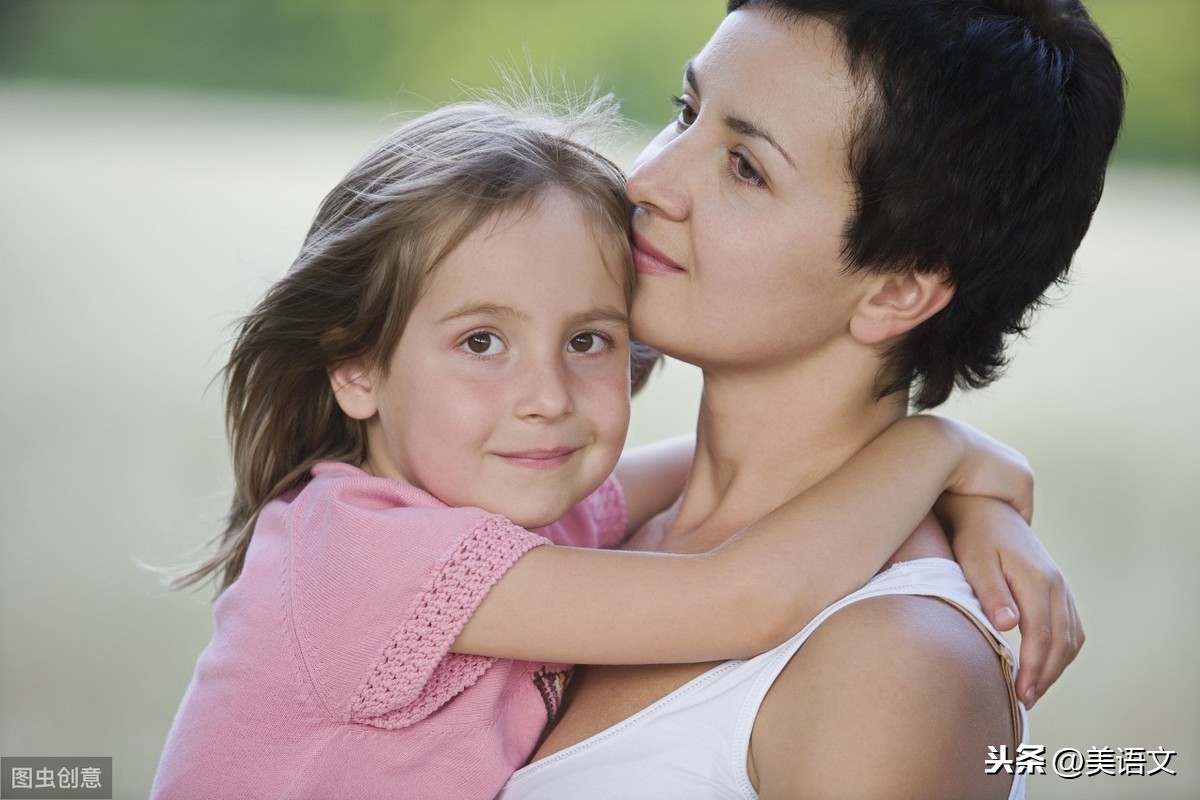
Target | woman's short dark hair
(979,154)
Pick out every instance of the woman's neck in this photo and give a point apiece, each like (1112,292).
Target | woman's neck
(766,436)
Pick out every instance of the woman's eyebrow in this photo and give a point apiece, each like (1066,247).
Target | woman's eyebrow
(737,124)
(689,76)
(748,128)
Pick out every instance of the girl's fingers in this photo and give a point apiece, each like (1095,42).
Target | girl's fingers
(1067,639)
(1037,638)
(1050,638)
(995,596)
(986,575)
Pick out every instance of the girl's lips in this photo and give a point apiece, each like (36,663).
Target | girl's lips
(540,459)
(649,260)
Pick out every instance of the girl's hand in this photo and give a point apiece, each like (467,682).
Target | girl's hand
(1016,581)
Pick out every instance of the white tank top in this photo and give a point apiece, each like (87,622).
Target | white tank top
(693,744)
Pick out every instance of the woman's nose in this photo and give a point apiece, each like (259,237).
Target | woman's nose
(658,182)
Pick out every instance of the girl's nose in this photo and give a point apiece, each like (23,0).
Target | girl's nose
(544,390)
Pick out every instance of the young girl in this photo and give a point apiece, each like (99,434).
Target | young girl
(444,369)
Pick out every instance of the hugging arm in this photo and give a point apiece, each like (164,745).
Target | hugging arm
(574,605)
(1001,557)
(1003,560)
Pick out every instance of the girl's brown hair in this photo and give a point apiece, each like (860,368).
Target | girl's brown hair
(375,240)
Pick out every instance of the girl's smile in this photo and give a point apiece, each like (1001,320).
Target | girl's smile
(543,459)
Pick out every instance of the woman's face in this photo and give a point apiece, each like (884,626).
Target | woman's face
(743,199)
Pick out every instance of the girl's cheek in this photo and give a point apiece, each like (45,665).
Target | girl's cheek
(610,399)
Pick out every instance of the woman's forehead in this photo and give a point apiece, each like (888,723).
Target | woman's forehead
(761,48)
(787,78)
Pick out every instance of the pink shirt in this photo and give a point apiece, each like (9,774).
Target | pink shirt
(329,673)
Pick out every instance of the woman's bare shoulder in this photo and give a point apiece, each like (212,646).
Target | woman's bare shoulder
(894,695)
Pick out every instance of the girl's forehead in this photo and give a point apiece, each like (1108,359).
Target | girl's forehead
(578,214)
(537,258)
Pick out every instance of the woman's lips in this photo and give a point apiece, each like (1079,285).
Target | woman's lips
(651,261)
(539,459)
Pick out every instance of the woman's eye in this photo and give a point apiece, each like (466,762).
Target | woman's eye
(687,114)
(587,342)
(483,343)
(743,170)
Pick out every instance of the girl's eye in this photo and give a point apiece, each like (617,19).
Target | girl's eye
(482,343)
(687,114)
(744,171)
(587,342)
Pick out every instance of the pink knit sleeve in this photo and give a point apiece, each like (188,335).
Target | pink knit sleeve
(380,593)
(417,673)
(599,520)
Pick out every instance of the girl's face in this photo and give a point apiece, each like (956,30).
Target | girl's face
(509,388)
(743,199)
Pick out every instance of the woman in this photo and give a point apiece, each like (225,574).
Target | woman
(856,199)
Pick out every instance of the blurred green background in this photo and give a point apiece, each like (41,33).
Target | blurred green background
(419,51)
(159,164)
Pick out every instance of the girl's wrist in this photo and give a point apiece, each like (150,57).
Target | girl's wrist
(943,445)
(957,446)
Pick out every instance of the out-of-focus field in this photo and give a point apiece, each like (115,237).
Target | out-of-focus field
(135,227)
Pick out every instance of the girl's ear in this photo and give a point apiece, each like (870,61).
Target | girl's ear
(353,388)
(895,303)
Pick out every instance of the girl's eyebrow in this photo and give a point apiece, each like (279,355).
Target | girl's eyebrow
(737,124)
(604,313)
(483,309)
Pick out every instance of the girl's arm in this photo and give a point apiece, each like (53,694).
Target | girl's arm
(652,477)
(573,605)
(1003,559)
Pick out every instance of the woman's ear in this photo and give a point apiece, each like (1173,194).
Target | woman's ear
(354,388)
(895,303)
